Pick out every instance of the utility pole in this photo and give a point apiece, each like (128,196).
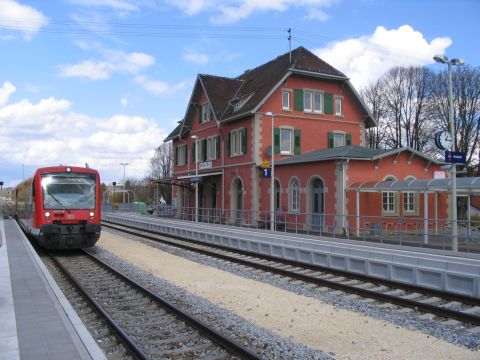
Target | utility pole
(124,164)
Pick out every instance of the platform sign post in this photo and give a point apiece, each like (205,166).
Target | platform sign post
(455,157)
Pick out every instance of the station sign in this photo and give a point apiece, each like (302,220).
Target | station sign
(455,157)
(196,179)
(267,173)
(204,165)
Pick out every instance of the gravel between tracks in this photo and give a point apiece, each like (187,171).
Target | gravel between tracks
(320,320)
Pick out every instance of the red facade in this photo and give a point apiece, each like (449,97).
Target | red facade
(319,125)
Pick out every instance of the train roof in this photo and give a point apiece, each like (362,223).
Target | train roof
(65,168)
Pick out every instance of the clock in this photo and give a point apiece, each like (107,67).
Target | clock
(443,140)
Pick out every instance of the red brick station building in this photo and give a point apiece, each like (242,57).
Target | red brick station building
(323,172)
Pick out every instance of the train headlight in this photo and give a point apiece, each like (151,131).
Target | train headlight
(92,214)
(47,215)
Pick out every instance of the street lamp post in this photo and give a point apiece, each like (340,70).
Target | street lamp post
(272,179)
(195,137)
(458,62)
(124,164)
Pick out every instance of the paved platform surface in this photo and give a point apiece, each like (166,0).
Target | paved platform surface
(37,322)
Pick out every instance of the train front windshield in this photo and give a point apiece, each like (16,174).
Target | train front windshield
(69,191)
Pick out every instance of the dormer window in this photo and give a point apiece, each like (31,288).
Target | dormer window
(206,113)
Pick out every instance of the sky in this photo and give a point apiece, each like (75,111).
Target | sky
(103,82)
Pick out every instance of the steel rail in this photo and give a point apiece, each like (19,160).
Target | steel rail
(214,335)
(137,351)
(429,308)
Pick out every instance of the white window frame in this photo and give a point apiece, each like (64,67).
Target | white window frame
(307,94)
(236,142)
(390,199)
(290,150)
(182,155)
(206,113)
(410,203)
(338,139)
(212,147)
(285,96)
(338,106)
(294,195)
(311,95)
(320,96)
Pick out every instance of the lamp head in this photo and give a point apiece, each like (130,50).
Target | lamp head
(194,137)
(269,113)
(457,62)
(441,59)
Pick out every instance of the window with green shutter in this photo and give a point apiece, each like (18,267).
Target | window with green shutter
(276,142)
(348,139)
(176,155)
(243,133)
(330,136)
(204,149)
(328,103)
(296,141)
(217,148)
(193,153)
(298,104)
(228,144)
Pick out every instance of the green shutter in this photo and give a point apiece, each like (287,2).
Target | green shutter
(193,153)
(217,147)
(204,149)
(243,133)
(296,141)
(228,144)
(298,105)
(348,139)
(330,139)
(176,155)
(328,103)
(276,143)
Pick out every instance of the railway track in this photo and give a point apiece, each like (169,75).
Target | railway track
(464,309)
(149,327)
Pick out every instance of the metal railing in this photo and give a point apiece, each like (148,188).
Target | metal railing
(406,231)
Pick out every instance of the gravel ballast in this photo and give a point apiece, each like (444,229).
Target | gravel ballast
(269,309)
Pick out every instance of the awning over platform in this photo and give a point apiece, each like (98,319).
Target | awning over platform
(199,175)
(464,185)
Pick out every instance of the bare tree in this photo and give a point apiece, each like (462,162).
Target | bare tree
(466,106)
(406,92)
(161,166)
(374,99)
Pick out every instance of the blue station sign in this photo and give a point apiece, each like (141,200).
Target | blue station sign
(195,179)
(455,157)
(267,173)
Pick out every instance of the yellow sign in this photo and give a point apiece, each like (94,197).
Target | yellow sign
(265,164)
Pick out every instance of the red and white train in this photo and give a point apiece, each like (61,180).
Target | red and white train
(60,206)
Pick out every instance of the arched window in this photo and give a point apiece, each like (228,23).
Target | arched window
(390,199)
(294,195)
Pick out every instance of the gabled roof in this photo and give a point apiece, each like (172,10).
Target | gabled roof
(263,79)
(351,152)
(253,87)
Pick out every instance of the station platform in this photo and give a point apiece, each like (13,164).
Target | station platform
(37,321)
(446,271)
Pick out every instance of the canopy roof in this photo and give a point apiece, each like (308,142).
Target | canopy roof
(464,185)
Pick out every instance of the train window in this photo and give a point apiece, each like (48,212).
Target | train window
(69,191)
(33,188)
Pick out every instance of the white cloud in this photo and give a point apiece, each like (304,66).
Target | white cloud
(6,90)
(23,18)
(124,102)
(366,58)
(231,11)
(113,62)
(123,5)
(195,57)
(157,87)
(49,132)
